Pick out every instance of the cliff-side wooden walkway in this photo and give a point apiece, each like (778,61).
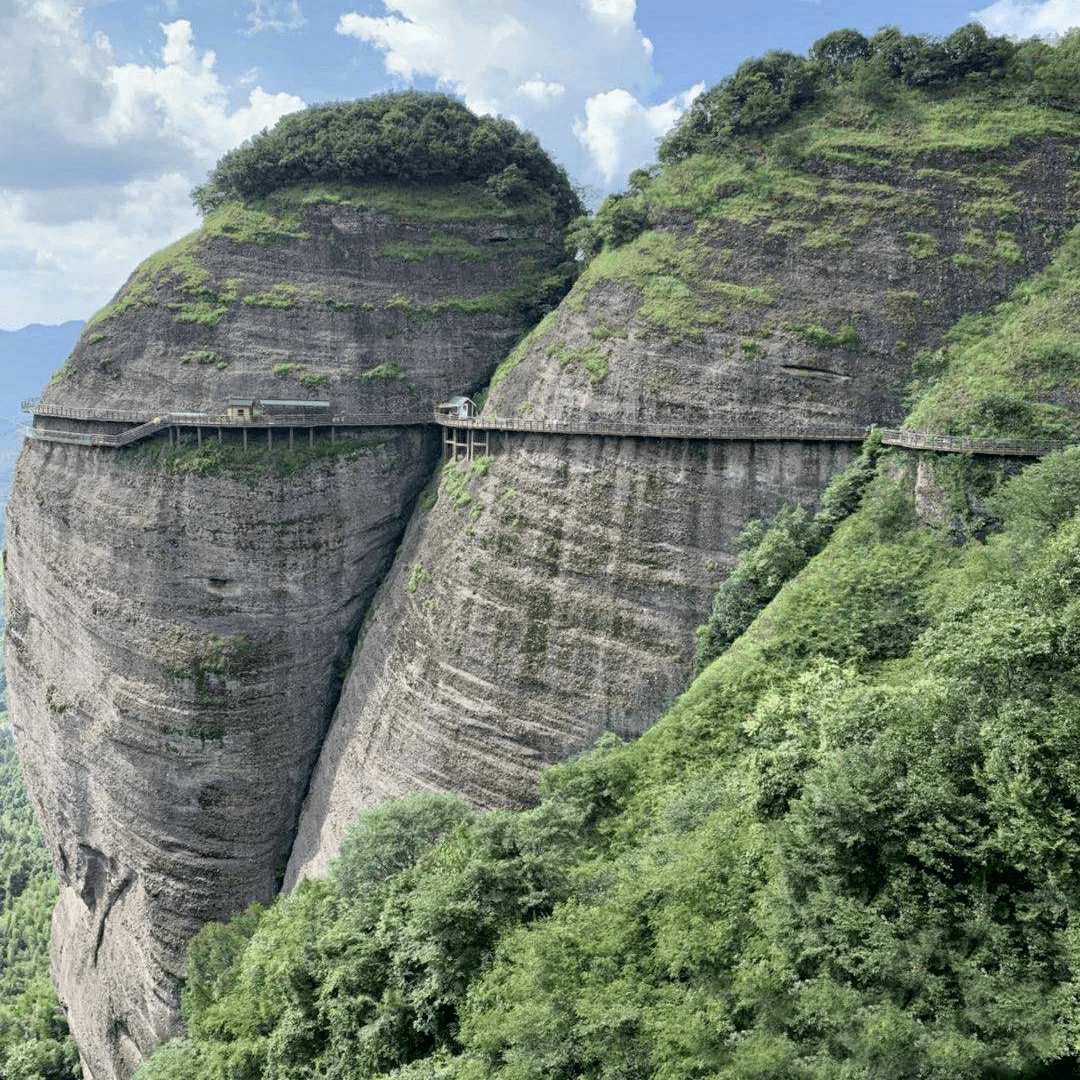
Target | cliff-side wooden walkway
(474,431)
(470,436)
(961,444)
(143,427)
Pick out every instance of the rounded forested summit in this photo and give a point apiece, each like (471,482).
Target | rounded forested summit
(402,138)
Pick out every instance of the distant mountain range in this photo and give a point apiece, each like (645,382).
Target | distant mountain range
(28,358)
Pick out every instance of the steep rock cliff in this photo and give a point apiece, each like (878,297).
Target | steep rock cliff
(551,595)
(180,616)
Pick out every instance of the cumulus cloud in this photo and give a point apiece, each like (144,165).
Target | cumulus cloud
(542,92)
(618,129)
(280,15)
(1024,19)
(99,155)
(504,58)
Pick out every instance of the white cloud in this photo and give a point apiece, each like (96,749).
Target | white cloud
(1024,19)
(618,11)
(280,15)
(620,132)
(99,156)
(542,92)
(503,57)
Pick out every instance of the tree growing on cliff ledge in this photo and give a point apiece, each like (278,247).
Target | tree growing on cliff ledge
(408,138)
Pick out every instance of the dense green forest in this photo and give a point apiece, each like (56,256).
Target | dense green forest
(410,138)
(849,850)
(34,1038)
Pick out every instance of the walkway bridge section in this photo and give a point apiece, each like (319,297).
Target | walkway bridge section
(471,436)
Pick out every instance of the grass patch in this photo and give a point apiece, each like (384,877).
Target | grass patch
(446,204)
(279,296)
(283,371)
(594,359)
(418,578)
(201,312)
(824,238)
(177,268)
(607,331)
(440,245)
(199,356)
(320,297)
(844,337)
(538,333)
(458,475)
(921,245)
(386,370)
(997,374)
(250,464)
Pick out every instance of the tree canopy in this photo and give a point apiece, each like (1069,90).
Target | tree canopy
(406,138)
(765,91)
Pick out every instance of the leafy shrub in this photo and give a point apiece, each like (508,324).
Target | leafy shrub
(769,557)
(840,51)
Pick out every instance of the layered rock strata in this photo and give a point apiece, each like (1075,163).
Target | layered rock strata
(180,617)
(550,595)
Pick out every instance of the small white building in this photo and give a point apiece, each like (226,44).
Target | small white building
(459,407)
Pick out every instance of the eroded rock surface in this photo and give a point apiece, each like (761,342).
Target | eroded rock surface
(174,650)
(180,617)
(549,596)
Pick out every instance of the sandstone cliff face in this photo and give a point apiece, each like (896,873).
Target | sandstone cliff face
(553,596)
(179,619)
(174,648)
(265,307)
(802,307)
(549,596)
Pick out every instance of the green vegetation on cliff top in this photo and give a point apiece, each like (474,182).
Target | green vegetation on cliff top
(414,157)
(412,139)
(861,134)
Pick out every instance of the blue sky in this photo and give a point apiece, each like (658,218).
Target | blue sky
(112,110)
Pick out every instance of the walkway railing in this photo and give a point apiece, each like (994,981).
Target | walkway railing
(652,431)
(145,426)
(961,444)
